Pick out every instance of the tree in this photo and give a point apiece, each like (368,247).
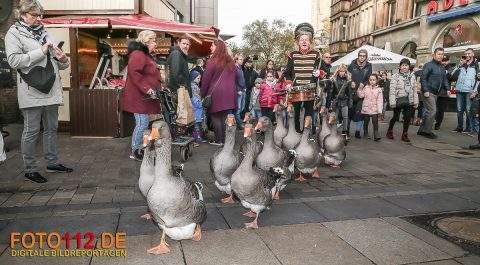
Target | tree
(268,41)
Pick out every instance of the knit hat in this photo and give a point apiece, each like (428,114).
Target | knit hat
(258,80)
(363,51)
(404,61)
(193,75)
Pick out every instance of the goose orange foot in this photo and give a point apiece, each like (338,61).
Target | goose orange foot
(252,225)
(277,195)
(160,249)
(198,233)
(315,174)
(147,216)
(229,199)
(250,214)
(301,178)
(334,166)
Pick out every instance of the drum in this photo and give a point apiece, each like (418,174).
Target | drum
(302,95)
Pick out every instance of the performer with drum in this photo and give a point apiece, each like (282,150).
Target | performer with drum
(302,72)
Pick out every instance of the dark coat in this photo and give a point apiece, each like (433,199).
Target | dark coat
(360,75)
(434,78)
(178,75)
(224,94)
(250,75)
(341,100)
(326,68)
(141,76)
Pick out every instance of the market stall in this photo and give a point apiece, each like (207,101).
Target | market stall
(97,46)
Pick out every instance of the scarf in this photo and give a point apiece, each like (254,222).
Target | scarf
(36,31)
(271,84)
(407,81)
(362,65)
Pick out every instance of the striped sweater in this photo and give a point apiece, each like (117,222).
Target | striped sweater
(300,67)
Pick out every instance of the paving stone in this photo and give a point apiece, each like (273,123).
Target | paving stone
(432,203)
(103,211)
(70,213)
(439,262)
(384,243)
(215,220)
(7,216)
(460,153)
(468,195)
(81,198)
(17,199)
(137,247)
(228,247)
(3,247)
(470,260)
(63,224)
(37,200)
(358,208)
(133,225)
(312,243)
(33,214)
(429,238)
(59,201)
(294,213)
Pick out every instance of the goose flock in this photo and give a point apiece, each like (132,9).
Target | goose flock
(255,174)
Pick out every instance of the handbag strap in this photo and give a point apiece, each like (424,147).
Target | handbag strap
(218,80)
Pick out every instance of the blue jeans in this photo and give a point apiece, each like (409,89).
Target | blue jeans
(314,121)
(385,104)
(141,124)
(256,114)
(464,104)
(240,107)
(475,124)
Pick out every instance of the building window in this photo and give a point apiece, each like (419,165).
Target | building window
(343,35)
(179,17)
(392,17)
(410,50)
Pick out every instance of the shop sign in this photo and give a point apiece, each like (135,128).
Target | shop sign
(463,33)
(446,5)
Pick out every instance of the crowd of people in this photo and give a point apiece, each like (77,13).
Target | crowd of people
(226,84)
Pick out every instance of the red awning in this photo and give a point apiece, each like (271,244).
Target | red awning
(80,22)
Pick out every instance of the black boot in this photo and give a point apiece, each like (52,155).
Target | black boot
(357,135)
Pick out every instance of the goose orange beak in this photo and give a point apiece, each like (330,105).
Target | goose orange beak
(230,122)
(290,108)
(154,134)
(246,119)
(145,140)
(247,132)
(258,126)
(331,120)
(307,123)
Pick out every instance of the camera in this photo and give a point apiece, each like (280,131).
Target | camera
(464,57)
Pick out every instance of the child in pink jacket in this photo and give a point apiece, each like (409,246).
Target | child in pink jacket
(372,105)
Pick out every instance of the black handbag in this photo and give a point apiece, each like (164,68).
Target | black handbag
(40,78)
(402,102)
(207,100)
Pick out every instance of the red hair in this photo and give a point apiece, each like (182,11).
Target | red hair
(220,58)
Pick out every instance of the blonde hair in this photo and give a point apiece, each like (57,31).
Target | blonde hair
(341,67)
(26,6)
(146,35)
(238,55)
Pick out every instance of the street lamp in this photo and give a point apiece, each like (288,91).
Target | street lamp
(322,39)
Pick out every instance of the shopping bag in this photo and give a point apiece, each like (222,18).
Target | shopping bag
(3,156)
(185,114)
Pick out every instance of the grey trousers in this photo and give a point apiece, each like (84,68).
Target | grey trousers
(430,104)
(31,129)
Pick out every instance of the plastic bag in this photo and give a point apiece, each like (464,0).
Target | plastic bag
(3,156)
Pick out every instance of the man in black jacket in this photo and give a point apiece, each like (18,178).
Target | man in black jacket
(250,76)
(434,81)
(360,69)
(178,65)
(443,96)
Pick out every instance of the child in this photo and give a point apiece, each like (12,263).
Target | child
(267,97)
(254,107)
(372,105)
(195,77)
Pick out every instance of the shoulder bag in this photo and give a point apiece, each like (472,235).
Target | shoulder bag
(207,100)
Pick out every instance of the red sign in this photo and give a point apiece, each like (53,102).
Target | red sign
(462,33)
(432,7)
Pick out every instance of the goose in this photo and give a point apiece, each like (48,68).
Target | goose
(292,138)
(254,187)
(280,130)
(323,132)
(258,145)
(334,146)
(308,154)
(226,160)
(176,204)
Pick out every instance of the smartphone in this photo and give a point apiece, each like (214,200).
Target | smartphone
(60,44)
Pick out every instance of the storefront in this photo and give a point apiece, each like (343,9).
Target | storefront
(97,45)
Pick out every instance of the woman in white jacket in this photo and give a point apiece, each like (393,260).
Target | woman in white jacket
(403,98)
(35,55)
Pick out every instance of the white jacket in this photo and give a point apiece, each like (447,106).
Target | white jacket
(23,53)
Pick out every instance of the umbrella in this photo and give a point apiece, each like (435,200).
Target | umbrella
(379,58)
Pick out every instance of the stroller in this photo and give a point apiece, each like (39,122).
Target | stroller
(168,108)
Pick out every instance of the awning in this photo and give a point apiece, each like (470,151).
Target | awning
(462,10)
(81,22)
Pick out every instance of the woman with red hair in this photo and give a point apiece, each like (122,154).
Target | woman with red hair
(220,81)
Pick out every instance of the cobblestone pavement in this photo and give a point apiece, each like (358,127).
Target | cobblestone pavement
(378,182)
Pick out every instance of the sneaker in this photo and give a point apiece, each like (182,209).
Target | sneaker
(390,134)
(437,127)
(377,139)
(215,143)
(136,155)
(58,169)
(405,137)
(422,133)
(459,130)
(35,177)
(467,131)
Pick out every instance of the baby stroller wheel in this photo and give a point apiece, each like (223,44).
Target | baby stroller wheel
(190,149)
(184,154)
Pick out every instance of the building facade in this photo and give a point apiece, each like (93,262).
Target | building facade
(352,24)
(320,20)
